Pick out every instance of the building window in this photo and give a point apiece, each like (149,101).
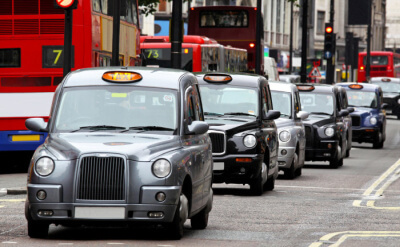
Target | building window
(278,16)
(162,7)
(320,22)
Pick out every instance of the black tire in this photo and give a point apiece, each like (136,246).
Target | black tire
(38,230)
(337,161)
(298,172)
(200,220)
(270,184)
(291,172)
(378,142)
(256,187)
(175,229)
(347,153)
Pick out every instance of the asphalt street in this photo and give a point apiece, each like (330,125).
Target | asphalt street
(355,205)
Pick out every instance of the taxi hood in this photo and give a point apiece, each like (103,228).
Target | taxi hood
(138,147)
(319,120)
(283,122)
(231,124)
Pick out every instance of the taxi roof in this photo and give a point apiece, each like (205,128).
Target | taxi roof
(238,79)
(152,77)
(282,86)
(366,86)
(321,88)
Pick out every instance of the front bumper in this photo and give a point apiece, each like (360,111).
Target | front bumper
(228,170)
(285,161)
(325,151)
(66,212)
(365,134)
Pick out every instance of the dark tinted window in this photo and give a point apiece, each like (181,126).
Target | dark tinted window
(10,58)
(224,18)
(377,60)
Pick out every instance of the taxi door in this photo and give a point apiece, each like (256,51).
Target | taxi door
(197,145)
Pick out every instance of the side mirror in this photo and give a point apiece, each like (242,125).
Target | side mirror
(36,124)
(350,109)
(343,113)
(384,105)
(197,128)
(303,115)
(272,114)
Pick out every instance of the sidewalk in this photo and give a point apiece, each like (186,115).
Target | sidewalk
(13,184)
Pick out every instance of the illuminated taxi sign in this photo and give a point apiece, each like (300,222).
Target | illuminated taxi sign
(386,79)
(218,78)
(356,86)
(305,87)
(121,76)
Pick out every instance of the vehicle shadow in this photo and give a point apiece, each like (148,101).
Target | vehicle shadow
(319,166)
(245,191)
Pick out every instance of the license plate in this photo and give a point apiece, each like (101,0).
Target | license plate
(99,213)
(25,138)
(219,166)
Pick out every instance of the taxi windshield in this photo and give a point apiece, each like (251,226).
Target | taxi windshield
(362,99)
(221,100)
(117,108)
(282,102)
(388,87)
(317,103)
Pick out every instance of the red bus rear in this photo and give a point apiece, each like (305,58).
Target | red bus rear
(383,64)
(31,57)
(228,25)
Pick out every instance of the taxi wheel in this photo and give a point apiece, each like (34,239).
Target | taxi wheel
(378,143)
(270,184)
(37,230)
(291,172)
(298,172)
(175,230)
(256,187)
(200,220)
(337,161)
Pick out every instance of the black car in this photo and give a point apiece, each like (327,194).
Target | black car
(326,137)
(391,93)
(238,109)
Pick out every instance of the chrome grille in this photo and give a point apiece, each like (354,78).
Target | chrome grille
(218,142)
(101,178)
(355,120)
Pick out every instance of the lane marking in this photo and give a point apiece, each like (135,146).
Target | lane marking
(9,242)
(377,189)
(343,236)
(12,200)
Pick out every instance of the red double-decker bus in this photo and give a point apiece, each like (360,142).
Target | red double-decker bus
(199,53)
(228,25)
(31,57)
(382,64)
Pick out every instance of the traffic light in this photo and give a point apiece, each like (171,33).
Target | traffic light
(329,41)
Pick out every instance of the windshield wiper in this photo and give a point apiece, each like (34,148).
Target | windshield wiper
(213,114)
(146,128)
(99,127)
(321,113)
(239,114)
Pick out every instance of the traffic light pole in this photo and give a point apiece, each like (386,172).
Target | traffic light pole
(303,72)
(116,31)
(330,66)
(176,34)
(67,42)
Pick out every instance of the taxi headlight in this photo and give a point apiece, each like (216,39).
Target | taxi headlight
(398,101)
(161,168)
(44,166)
(329,131)
(284,136)
(373,120)
(249,141)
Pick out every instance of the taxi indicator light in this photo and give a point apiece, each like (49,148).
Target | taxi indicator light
(121,76)
(217,78)
(186,51)
(305,88)
(244,160)
(356,86)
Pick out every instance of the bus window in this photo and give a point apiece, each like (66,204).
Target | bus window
(377,60)
(10,58)
(224,18)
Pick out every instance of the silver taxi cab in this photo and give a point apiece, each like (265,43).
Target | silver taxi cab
(125,145)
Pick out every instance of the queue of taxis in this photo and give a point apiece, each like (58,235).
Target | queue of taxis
(391,93)
(238,109)
(291,132)
(107,158)
(326,137)
(369,118)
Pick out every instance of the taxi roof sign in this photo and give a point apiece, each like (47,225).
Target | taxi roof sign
(65,3)
(386,79)
(356,86)
(121,76)
(305,87)
(217,78)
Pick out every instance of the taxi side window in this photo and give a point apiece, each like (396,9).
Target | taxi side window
(297,106)
(266,99)
(193,106)
(344,98)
